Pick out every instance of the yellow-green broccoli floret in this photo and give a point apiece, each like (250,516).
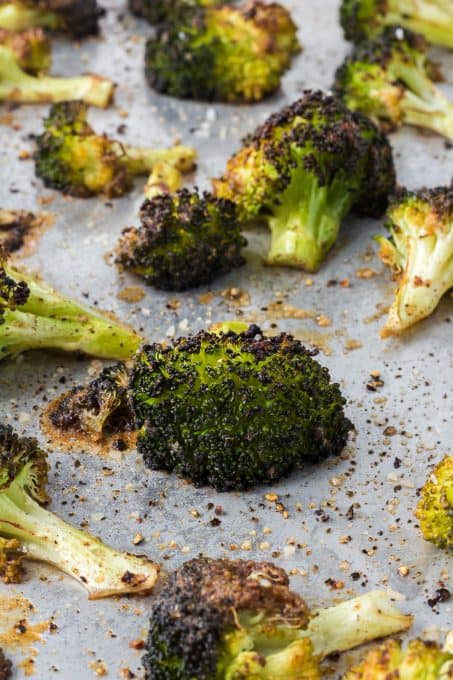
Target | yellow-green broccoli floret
(31,48)
(435,508)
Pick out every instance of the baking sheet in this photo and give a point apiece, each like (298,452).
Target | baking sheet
(346,526)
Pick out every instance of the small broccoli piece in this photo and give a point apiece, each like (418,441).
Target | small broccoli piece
(388,79)
(303,170)
(184,240)
(15,226)
(420,251)
(157,11)
(46,538)
(6,667)
(72,158)
(11,556)
(435,508)
(233,619)
(31,48)
(420,660)
(164,179)
(77,18)
(18,86)
(34,316)
(363,19)
(231,54)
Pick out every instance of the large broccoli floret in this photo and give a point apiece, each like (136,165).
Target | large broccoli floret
(419,661)
(77,18)
(72,158)
(388,79)
(184,240)
(157,11)
(46,538)
(34,316)
(435,508)
(303,170)
(420,251)
(233,620)
(32,49)
(362,19)
(222,54)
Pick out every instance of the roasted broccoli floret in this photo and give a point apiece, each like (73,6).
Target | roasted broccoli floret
(72,158)
(435,508)
(34,316)
(18,86)
(45,537)
(32,49)
(420,252)
(11,556)
(184,240)
(235,619)
(15,226)
(231,54)
(303,170)
(157,11)
(6,667)
(363,19)
(388,79)
(77,18)
(420,660)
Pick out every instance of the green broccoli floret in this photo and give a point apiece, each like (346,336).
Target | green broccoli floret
(15,226)
(11,556)
(32,49)
(34,316)
(72,158)
(435,508)
(233,619)
(45,537)
(388,79)
(18,86)
(231,54)
(6,667)
(303,170)
(363,19)
(157,11)
(419,661)
(184,240)
(420,252)
(77,18)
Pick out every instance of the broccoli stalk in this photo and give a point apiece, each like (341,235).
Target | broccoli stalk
(77,18)
(45,537)
(164,179)
(33,315)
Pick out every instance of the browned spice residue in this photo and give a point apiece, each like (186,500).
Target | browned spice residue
(131,294)
(17,633)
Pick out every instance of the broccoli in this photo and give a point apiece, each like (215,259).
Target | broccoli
(234,619)
(6,667)
(184,240)
(419,660)
(388,79)
(31,48)
(72,158)
(363,19)
(303,170)
(420,251)
(34,316)
(15,226)
(45,537)
(164,179)
(18,86)
(11,556)
(435,508)
(77,18)
(230,54)
(157,11)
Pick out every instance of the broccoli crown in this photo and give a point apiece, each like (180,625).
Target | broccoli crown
(283,409)
(184,240)
(11,570)
(77,18)
(6,667)
(15,225)
(420,659)
(157,11)
(21,459)
(420,251)
(32,49)
(435,508)
(220,618)
(222,54)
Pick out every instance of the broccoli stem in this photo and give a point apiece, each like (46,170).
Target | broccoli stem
(18,86)
(15,18)
(45,537)
(306,223)
(432,18)
(164,179)
(141,161)
(355,622)
(434,114)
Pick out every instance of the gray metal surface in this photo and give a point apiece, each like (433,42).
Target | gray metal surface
(319,537)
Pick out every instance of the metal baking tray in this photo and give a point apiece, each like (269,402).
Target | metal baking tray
(343,527)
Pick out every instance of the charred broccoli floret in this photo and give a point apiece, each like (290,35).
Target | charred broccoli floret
(435,508)
(303,170)
(233,620)
(15,226)
(72,158)
(77,18)
(6,667)
(11,556)
(420,252)
(45,537)
(419,660)
(34,316)
(183,241)
(18,86)
(388,79)
(362,19)
(32,49)
(231,54)
(157,11)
